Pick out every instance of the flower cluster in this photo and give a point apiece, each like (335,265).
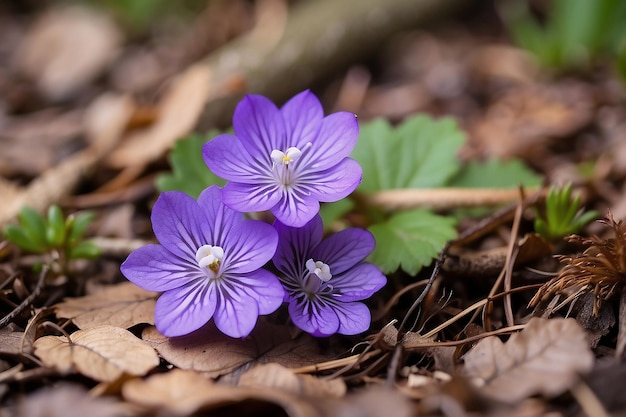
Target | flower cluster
(209,260)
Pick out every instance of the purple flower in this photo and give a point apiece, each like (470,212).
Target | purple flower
(285,160)
(207,265)
(325,279)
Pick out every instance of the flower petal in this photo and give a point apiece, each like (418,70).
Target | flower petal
(259,125)
(249,246)
(226,157)
(222,219)
(313,317)
(334,142)
(154,268)
(237,312)
(344,249)
(263,286)
(354,318)
(335,183)
(180,225)
(358,283)
(303,115)
(251,197)
(295,245)
(185,309)
(296,208)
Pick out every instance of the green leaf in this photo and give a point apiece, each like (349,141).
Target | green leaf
(410,240)
(55,232)
(331,212)
(34,226)
(78,225)
(420,153)
(495,174)
(19,237)
(189,172)
(87,250)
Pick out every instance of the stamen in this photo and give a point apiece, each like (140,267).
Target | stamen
(320,269)
(210,257)
(284,158)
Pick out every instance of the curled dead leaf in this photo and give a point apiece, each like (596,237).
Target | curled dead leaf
(545,358)
(103,353)
(66,400)
(209,351)
(178,113)
(123,305)
(273,375)
(182,393)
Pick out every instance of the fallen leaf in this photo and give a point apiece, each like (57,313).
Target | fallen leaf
(209,351)
(273,375)
(103,353)
(519,122)
(183,393)
(57,182)
(123,305)
(545,358)
(375,401)
(179,110)
(179,391)
(67,48)
(66,400)
(10,341)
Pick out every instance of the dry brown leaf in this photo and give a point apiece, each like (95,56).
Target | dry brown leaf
(59,181)
(123,305)
(67,48)
(178,113)
(545,358)
(67,400)
(374,401)
(213,353)
(182,392)
(103,353)
(10,341)
(273,375)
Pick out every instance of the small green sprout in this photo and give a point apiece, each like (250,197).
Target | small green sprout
(56,233)
(574,34)
(564,214)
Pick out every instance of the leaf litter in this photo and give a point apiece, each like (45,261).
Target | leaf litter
(454,351)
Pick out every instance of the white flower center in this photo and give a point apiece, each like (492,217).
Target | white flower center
(210,257)
(284,158)
(320,269)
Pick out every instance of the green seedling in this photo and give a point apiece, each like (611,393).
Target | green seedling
(563,214)
(575,33)
(54,233)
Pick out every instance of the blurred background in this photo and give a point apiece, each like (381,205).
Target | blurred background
(539,80)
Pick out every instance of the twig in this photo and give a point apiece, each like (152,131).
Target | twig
(38,287)
(588,400)
(442,198)
(117,246)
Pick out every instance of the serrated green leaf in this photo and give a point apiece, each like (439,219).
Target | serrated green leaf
(420,153)
(55,231)
(410,240)
(495,174)
(34,226)
(189,172)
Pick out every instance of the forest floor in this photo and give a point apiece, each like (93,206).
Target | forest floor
(90,107)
